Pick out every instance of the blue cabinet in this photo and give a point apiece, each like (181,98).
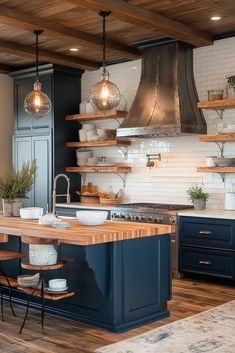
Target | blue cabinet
(28,148)
(45,139)
(207,247)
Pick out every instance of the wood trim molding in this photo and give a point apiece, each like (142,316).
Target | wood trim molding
(147,19)
(55,30)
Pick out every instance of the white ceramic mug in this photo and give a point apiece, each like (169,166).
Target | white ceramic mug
(210,161)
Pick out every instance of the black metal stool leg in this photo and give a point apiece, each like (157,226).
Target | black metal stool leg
(9,289)
(2,304)
(27,308)
(42,300)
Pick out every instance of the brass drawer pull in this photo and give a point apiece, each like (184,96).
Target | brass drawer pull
(204,262)
(205,232)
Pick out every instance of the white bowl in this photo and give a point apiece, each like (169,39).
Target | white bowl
(80,153)
(57,283)
(223,162)
(91,218)
(31,212)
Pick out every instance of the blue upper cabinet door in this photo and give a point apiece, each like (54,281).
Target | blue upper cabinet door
(42,152)
(23,153)
(23,121)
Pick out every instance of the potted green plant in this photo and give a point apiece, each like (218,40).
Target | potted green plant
(14,185)
(197,196)
(230,89)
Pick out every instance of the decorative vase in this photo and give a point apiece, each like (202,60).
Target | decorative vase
(7,207)
(230,91)
(199,204)
(42,254)
(16,205)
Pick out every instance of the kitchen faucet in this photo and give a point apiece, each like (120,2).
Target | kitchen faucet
(54,195)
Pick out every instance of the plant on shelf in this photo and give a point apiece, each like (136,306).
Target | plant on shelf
(14,185)
(197,196)
(230,89)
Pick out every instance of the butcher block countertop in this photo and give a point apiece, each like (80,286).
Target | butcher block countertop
(82,235)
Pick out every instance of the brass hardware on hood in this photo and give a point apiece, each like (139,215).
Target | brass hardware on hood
(166,100)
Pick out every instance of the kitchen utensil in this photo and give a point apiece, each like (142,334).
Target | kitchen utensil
(28,280)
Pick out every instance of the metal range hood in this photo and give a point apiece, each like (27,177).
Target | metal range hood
(166,100)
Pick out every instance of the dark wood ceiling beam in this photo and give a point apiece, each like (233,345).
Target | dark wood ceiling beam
(147,19)
(69,35)
(4,69)
(45,55)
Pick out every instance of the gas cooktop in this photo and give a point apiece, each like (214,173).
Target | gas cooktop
(153,206)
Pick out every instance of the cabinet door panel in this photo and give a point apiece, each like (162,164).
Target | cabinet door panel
(209,262)
(45,122)
(41,151)
(23,153)
(207,233)
(23,121)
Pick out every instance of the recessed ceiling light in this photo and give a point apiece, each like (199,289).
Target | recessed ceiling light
(215,18)
(73,49)
(134,67)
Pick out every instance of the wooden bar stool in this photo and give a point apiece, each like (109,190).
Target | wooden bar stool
(42,292)
(6,255)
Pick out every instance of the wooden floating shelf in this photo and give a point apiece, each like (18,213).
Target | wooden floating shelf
(37,293)
(99,115)
(105,143)
(94,169)
(218,104)
(218,138)
(216,169)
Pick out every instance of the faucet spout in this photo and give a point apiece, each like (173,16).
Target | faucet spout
(55,195)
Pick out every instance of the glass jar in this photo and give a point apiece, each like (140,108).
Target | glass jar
(215,94)
(230,91)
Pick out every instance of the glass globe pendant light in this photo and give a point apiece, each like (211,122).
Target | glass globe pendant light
(36,103)
(104,95)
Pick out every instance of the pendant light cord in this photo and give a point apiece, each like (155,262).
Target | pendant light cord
(104,45)
(37,33)
(104,14)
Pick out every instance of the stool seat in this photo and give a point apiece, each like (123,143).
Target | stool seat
(9,255)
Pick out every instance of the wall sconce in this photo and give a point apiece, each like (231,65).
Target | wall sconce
(151,158)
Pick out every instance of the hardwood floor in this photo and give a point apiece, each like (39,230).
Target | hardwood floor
(64,336)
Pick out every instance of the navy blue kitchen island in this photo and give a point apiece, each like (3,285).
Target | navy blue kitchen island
(119,284)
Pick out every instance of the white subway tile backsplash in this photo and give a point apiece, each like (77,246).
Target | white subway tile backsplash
(169,179)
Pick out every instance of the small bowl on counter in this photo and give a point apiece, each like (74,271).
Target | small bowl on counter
(92,218)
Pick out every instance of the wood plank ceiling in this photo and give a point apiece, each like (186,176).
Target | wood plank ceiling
(77,24)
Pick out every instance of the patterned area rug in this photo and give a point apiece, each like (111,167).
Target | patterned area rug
(211,331)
